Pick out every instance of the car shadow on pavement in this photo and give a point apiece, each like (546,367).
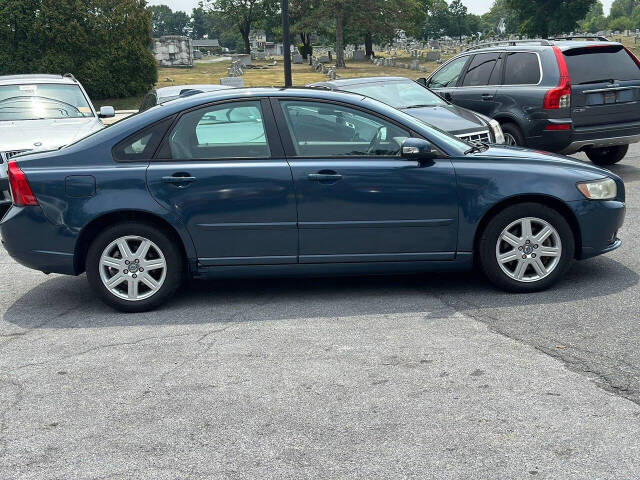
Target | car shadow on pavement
(67,302)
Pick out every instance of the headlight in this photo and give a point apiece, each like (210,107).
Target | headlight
(497,131)
(599,190)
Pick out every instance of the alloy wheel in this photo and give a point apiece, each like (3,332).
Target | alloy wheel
(133,268)
(528,249)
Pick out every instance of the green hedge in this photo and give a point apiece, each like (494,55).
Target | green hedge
(104,44)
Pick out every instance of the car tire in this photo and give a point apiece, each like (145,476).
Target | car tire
(607,155)
(517,262)
(136,280)
(512,135)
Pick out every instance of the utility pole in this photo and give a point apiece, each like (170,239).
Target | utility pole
(286,44)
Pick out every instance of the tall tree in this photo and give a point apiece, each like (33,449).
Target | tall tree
(244,14)
(499,11)
(165,21)
(200,22)
(438,20)
(622,8)
(536,20)
(458,15)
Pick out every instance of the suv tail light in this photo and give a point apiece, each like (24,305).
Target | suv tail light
(20,188)
(633,57)
(559,97)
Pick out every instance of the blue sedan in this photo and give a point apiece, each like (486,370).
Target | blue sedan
(299,182)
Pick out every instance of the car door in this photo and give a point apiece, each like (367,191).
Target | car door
(222,170)
(445,80)
(358,200)
(477,90)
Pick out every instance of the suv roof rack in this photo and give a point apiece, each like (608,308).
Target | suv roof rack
(509,43)
(69,75)
(593,38)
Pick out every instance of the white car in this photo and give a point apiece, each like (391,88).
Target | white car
(42,112)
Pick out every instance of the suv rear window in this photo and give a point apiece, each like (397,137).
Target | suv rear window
(522,69)
(596,64)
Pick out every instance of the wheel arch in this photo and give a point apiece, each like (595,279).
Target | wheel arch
(547,200)
(93,228)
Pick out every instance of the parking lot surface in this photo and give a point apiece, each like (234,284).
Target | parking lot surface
(430,376)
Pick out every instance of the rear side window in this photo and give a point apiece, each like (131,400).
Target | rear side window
(229,130)
(480,69)
(141,145)
(522,69)
(597,64)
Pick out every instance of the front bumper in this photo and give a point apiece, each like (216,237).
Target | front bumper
(33,241)
(599,222)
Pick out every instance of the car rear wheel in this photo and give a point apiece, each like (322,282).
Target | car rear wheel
(134,267)
(512,135)
(607,155)
(526,248)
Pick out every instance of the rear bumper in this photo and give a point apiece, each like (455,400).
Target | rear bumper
(599,222)
(579,138)
(33,241)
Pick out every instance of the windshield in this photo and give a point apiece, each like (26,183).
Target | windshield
(42,101)
(398,94)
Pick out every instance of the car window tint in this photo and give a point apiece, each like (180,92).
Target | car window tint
(522,69)
(230,130)
(449,74)
(141,145)
(329,130)
(480,69)
(613,62)
(496,75)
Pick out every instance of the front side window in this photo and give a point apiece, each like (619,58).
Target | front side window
(448,75)
(329,130)
(230,130)
(42,101)
(480,69)
(398,94)
(522,69)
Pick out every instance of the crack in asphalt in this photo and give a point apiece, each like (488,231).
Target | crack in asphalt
(576,364)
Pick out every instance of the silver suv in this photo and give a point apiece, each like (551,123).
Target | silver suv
(42,112)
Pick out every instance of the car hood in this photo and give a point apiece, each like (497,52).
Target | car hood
(45,134)
(499,152)
(453,119)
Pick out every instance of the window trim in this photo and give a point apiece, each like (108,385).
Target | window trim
(287,141)
(274,143)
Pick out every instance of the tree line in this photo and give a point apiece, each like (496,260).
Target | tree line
(365,22)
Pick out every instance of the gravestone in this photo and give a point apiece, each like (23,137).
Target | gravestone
(297,59)
(433,56)
(232,81)
(358,55)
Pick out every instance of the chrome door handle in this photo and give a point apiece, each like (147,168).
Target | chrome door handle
(324,177)
(178,179)
(487,97)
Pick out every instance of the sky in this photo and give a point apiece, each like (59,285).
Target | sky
(475,6)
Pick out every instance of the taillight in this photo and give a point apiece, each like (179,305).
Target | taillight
(633,57)
(559,97)
(20,188)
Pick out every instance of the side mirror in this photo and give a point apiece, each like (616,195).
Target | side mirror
(422,81)
(106,112)
(418,149)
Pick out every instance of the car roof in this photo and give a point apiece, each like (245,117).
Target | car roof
(175,90)
(357,81)
(532,46)
(36,78)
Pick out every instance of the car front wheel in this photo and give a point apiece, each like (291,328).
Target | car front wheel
(526,248)
(134,267)
(607,155)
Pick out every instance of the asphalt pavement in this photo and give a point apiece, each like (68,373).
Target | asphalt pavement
(430,376)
